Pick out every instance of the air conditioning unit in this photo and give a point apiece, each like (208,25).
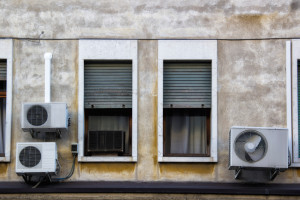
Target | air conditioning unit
(45,117)
(253,147)
(106,141)
(36,158)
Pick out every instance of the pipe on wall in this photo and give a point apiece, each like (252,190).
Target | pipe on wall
(48,59)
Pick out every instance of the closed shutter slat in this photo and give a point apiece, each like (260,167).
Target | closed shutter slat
(187,85)
(107,85)
(2,70)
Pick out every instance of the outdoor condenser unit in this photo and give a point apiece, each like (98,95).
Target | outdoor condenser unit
(45,117)
(258,148)
(36,158)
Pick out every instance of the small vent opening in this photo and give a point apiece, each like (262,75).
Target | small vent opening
(37,115)
(30,156)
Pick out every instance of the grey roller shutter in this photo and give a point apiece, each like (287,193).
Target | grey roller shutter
(2,70)
(108,85)
(187,85)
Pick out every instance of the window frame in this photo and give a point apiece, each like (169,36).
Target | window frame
(187,50)
(292,57)
(107,50)
(6,53)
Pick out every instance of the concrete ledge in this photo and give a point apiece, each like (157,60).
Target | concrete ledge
(153,187)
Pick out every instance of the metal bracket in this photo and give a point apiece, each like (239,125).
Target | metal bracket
(237,173)
(58,133)
(273,174)
(32,133)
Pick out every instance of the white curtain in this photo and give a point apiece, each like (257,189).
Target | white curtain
(2,124)
(188,135)
(111,123)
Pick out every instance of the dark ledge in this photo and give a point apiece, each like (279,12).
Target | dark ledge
(153,187)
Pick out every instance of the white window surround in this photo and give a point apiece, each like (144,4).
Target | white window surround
(6,52)
(292,56)
(107,50)
(188,50)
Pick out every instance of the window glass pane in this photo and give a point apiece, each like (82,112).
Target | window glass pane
(186,131)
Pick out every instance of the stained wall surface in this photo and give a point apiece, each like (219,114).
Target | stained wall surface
(251,60)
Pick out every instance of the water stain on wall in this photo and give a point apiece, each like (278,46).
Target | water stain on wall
(118,168)
(183,168)
(3,169)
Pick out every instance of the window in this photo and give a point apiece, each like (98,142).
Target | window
(293,104)
(107,103)
(187,102)
(5,98)
(107,129)
(187,99)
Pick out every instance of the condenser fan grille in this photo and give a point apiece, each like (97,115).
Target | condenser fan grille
(250,146)
(37,115)
(30,156)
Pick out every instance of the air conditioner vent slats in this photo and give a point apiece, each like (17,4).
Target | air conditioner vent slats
(106,141)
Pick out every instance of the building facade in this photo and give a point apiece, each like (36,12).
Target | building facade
(245,52)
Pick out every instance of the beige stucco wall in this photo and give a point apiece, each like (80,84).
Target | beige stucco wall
(149,19)
(251,73)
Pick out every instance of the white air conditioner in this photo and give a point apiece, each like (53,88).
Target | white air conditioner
(44,117)
(253,147)
(36,158)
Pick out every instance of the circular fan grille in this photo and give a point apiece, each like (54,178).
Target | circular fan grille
(30,156)
(37,115)
(250,146)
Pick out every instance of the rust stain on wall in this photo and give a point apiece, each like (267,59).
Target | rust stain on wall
(183,168)
(3,169)
(128,168)
(298,172)
(154,144)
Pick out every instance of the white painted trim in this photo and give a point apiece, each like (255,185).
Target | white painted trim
(289,95)
(107,50)
(107,159)
(295,55)
(188,50)
(188,159)
(48,59)
(6,52)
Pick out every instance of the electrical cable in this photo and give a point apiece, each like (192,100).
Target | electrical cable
(70,173)
(289,158)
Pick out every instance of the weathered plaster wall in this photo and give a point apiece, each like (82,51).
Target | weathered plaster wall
(28,86)
(251,73)
(251,92)
(150,19)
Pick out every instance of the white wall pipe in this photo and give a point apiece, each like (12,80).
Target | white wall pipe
(48,58)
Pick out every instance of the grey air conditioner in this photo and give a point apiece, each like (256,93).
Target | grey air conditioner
(257,147)
(36,158)
(44,117)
